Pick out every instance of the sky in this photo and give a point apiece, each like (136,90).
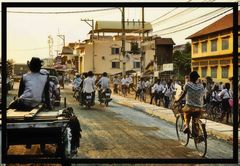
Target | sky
(27,34)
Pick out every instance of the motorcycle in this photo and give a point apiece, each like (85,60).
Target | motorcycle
(88,100)
(105,96)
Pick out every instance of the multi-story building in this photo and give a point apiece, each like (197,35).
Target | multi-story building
(107,49)
(212,49)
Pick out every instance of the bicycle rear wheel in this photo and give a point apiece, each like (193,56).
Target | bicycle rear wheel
(182,137)
(200,140)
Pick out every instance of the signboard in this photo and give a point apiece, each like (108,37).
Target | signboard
(156,73)
(168,67)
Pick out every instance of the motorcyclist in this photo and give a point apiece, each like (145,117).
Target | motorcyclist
(76,83)
(88,86)
(104,85)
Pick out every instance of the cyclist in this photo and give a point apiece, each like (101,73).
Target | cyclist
(88,86)
(194,99)
(140,86)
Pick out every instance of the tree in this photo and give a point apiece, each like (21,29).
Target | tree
(182,61)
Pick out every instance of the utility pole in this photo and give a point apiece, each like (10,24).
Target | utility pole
(142,50)
(123,42)
(92,40)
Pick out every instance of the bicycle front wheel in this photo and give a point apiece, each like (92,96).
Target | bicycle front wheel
(200,140)
(182,137)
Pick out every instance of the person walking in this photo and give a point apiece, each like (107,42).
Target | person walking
(226,95)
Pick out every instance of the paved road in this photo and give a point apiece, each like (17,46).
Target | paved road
(120,132)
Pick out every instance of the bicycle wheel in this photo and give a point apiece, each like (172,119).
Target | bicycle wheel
(182,137)
(200,138)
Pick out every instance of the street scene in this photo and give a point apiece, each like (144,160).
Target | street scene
(120,83)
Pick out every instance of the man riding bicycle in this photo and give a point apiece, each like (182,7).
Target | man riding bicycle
(141,86)
(194,92)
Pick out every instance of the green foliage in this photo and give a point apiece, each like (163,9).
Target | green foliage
(182,62)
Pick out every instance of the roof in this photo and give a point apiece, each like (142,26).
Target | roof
(116,26)
(67,50)
(164,41)
(224,23)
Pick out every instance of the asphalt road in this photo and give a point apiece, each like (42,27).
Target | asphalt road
(120,132)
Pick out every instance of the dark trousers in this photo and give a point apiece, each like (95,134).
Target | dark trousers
(167,100)
(19,105)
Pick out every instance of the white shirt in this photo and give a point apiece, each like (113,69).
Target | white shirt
(215,96)
(116,81)
(104,82)
(157,87)
(34,87)
(88,85)
(225,94)
(124,81)
(129,79)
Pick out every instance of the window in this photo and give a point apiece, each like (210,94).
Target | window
(116,65)
(214,72)
(204,46)
(195,48)
(204,72)
(225,43)
(214,45)
(136,65)
(115,51)
(224,72)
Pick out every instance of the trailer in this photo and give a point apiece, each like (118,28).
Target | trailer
(41,127)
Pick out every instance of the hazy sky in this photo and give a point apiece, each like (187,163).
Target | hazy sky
(27,34)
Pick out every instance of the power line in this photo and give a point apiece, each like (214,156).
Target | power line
(194,24)
(66,12)
(192,20)
(34,49)
(178,14)
(166,13)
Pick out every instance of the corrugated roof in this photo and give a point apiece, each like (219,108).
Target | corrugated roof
(116,26)
(224,23)
(164,41)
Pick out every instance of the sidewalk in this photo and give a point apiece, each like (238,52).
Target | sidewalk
(219,130)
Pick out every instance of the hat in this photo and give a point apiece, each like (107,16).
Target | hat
(35,64)
(35,61)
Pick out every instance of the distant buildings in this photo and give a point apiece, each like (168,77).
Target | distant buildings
(212,49)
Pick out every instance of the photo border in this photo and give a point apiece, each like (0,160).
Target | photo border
(22,159)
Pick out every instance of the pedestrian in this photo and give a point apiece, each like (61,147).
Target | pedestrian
(129,83)
(116,82)
(157,91)
(167,94)
(226,95)
(124,85)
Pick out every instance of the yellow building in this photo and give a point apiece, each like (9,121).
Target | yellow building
(212,50)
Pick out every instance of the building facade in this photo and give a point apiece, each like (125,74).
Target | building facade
(212,50)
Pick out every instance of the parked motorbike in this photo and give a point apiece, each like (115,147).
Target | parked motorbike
(105,96)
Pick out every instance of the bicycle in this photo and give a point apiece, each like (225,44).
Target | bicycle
(197,131)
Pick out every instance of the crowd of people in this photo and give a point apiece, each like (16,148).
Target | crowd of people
(163,92)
